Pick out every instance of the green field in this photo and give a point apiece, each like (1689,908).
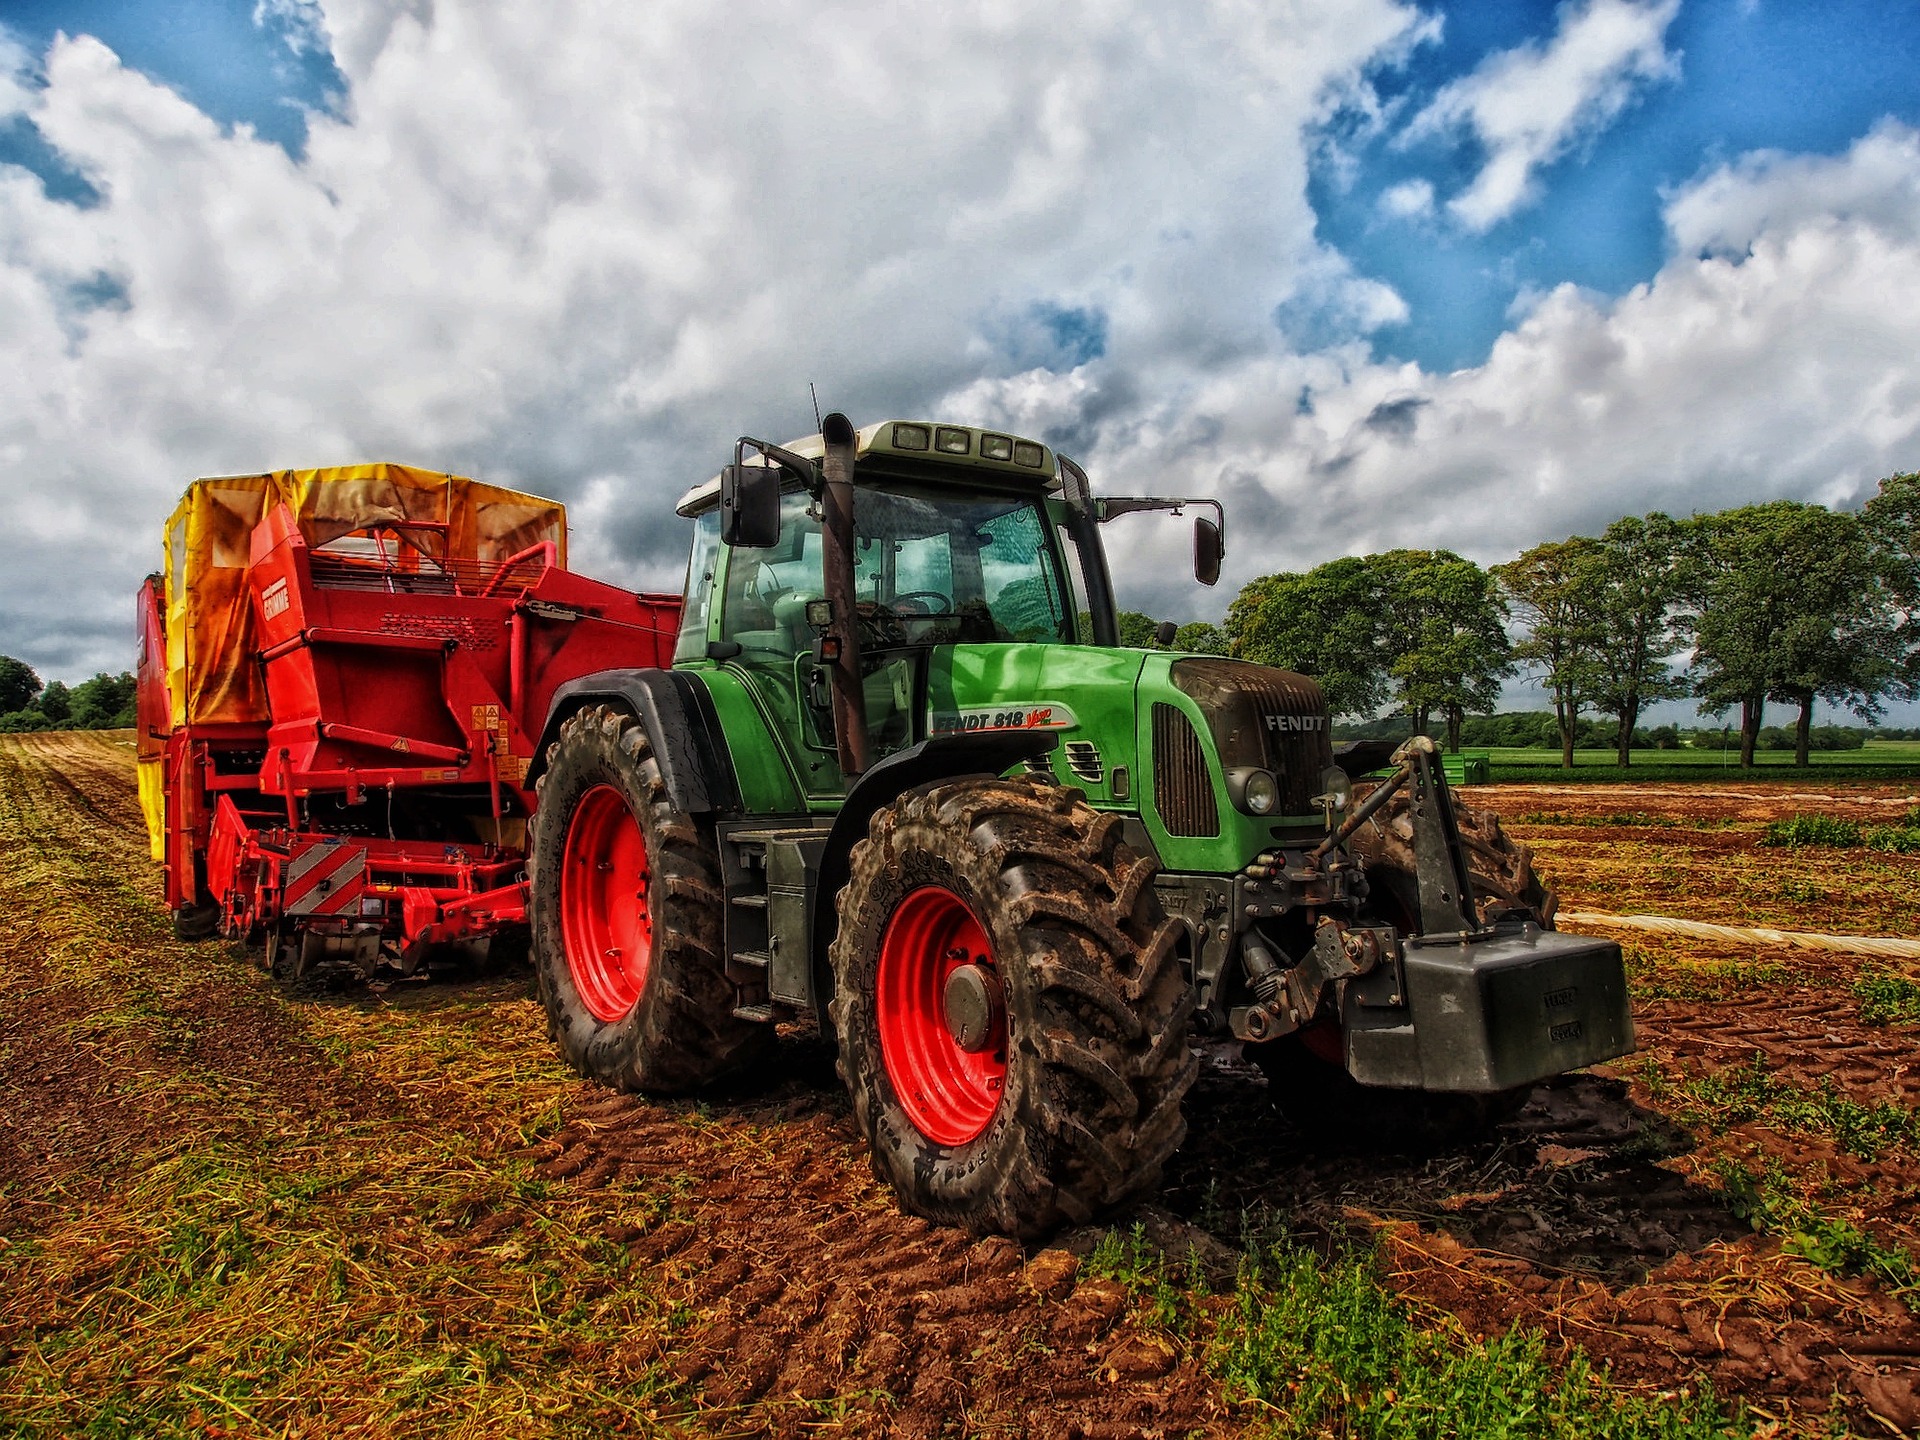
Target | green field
(1876,760)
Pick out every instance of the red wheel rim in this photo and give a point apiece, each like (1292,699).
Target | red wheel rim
(604,922)
(948,1093)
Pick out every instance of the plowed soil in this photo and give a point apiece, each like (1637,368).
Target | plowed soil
(226,1210)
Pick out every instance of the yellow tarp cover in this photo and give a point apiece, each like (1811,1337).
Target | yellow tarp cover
(211,669)
(153,804)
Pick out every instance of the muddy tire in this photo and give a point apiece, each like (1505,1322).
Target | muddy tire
(625,913)
(197,922)
(1043,1085)
(1504,881)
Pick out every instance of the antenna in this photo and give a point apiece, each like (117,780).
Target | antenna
(816,404)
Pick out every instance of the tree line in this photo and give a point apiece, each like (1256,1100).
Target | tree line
(1782,603)
(103,703)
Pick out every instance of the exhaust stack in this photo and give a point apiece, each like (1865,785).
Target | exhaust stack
(849,694)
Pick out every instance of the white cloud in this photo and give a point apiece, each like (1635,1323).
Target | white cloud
(300,24)
(1781,364)
(1529,105)
(1877,183)
(544,246)
(1409,200)
(596,242)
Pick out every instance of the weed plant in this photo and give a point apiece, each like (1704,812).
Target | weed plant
(1754,1091)
(1326,1349)
(1797,831)
(1887,998)
(1765,1199)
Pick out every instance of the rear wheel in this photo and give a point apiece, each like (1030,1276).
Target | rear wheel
(625,915)
(1011,1013)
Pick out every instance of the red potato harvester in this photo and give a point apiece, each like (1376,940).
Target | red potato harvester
(343,673)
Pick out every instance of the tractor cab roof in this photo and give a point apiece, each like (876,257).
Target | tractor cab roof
(986,455)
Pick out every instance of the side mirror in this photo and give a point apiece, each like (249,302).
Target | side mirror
(1164,633)
(750,506)
(1208,551)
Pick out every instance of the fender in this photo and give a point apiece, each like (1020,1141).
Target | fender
(985,754)
(681,723)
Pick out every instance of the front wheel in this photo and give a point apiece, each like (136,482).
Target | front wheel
(625,914)
(1011,1013)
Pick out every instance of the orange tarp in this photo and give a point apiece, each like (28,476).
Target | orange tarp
(212,671)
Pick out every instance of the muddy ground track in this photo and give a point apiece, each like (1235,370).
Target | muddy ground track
(800,1278)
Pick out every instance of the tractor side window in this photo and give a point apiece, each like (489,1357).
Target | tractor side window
(765,607)
(698,604)
(1018,578)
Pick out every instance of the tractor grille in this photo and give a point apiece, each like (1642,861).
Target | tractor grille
(1274,719)
(1182,785)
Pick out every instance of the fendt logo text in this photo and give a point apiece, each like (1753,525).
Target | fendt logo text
(1295,722)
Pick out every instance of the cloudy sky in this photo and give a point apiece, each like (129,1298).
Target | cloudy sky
(1376,273)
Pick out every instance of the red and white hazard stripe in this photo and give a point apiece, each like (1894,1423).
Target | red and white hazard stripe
(324,879)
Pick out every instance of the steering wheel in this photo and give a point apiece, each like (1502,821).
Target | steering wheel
(938,606)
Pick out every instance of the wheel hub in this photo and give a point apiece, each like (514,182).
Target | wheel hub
(975,1004)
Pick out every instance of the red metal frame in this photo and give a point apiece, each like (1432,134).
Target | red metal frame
(405,694)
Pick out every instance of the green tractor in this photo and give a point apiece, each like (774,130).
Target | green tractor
(902,777)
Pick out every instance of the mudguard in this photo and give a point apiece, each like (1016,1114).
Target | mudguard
(682,726)
(939,757)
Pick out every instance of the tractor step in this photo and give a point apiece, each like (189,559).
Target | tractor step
(759,959)
(748,902)
(765,1014)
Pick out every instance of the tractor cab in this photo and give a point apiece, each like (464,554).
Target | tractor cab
(958,537)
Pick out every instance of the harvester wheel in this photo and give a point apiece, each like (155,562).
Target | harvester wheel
(1011,1012)
(626,917)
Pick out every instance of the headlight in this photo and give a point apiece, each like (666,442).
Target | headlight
(1336,786)
(1262,792)
(1255,791)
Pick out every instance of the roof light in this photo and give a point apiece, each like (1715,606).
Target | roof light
(911,437)
(1025,452)
(997,447)
(950,440)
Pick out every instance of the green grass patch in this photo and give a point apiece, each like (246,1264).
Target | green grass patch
(1145,1272)
(1754,1091)
(1887,998)
(1877,760)
(1326,1349)
(1796,831)
(1766,1200)
(1653,977)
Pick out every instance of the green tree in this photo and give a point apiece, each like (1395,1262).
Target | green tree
(1201,638)
(1442,628)
(103,703)
(1323,622)
(1640,585)
(56,703)
(1892,520)
(1136,630)
(1557,590)
(18,684)
(1790,604)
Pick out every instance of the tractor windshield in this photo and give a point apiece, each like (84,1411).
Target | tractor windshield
(931,567)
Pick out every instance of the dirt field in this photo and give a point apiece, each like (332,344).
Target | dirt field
(224,1211)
